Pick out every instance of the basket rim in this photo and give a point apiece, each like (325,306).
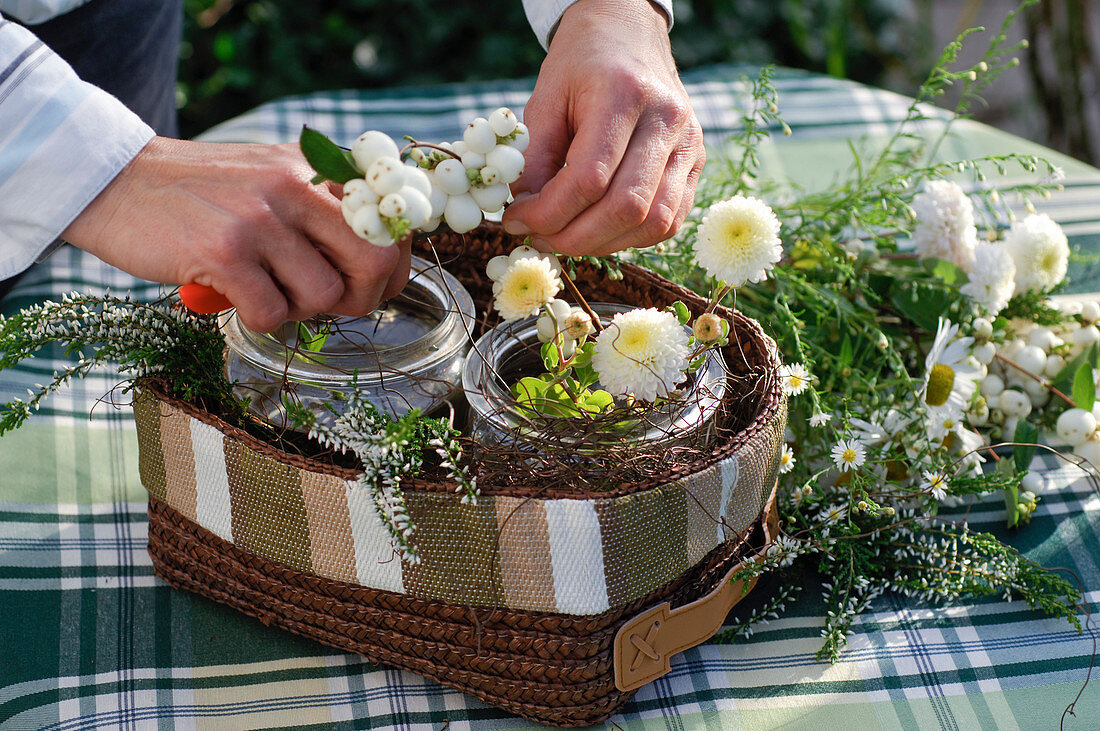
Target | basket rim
(770,401)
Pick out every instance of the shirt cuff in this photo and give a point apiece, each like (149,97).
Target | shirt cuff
(544,16)
(61,142)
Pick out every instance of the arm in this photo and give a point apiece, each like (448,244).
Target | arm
(616,149)
(240,218)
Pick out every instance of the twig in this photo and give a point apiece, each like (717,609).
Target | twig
(1041,380)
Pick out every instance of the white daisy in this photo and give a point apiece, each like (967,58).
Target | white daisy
(525,286)
(993,278)
(643,352)
(945,224)
(786,460)
(848,455)
(934,483)
(1040,251)
(795,378)
(950,378)
(738,240)
(819,419)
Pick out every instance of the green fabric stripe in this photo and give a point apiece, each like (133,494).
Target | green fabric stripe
(267,505)
(150,453)
(458,545)
(644,541)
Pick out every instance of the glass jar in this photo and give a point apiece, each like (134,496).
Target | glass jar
(512,350)
(407,354)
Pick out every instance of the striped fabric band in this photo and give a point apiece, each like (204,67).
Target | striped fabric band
(568,556)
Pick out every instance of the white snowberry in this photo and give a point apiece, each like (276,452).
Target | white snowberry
(437,198)
(473,160)
(984,352)
(1015,404)
(370,146)
(522,138)
(491,198)
(1032,359)
(450,177)
(386,175)
(417,178)
(983,328)
(430,225)
(503,122)
(490,175)
(367,222)
(392,206)
(1075,426)
(1084,336)
(459,148)
(417,207)
(992,385)
(1090,312)
(479,136)
(1055,364)
(462,213)
(1043,337)
(508,160)
(1090,451)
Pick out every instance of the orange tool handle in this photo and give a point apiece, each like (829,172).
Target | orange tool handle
(203,300)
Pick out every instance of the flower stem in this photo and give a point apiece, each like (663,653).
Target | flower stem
(581,300)
(1034,377)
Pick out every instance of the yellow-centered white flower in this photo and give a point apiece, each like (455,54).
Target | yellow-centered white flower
(527,284)
(935,484)
(643,352)
(848,455)
(738,240)
(794,378)
(786,460)
(950,378)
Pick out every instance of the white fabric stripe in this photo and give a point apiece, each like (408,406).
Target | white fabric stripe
(576,555)
(375,563)
(46,115)
(729,470)
(213,510)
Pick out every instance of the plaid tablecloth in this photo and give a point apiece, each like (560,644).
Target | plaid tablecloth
(89,638)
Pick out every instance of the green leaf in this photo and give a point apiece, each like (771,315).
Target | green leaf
(1065,378)
(1024,450)
(528,391)
(679,309)
(549,355)
(949,272)
(326,158)
(1084,387)
(846,351)
(312,341)
(584,355)
(922,302)
(1012,501)
(599,399)
(586,375)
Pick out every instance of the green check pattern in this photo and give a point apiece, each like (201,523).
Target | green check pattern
(90,638)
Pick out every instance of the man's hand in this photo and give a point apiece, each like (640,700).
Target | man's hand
(242,219)
(616,149)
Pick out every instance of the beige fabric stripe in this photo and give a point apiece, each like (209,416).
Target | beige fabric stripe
(458,546)
(268,507)
(703,506)
(179,461)
(150,455)
(644,541)
(526,573)
(332,547)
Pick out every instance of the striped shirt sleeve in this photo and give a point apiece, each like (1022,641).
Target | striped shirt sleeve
(544,15)
(61,142)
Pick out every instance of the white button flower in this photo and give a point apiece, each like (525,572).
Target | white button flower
(1040,251)
(738,240)
(643,352)
(993,278)
(945,224)
(523,282)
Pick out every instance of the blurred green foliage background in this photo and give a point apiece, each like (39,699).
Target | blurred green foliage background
(240,53)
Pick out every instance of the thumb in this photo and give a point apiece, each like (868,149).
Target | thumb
(548,128)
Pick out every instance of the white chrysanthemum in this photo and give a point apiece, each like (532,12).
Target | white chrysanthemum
(945,224)
(786,460)
(643,352)
(1040,251)
(819,418)
(993,278)
(738,240)
(794,378)
(848,455)
(950,379)
(934,483)
(526,285)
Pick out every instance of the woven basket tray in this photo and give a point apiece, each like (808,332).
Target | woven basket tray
(554,604)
